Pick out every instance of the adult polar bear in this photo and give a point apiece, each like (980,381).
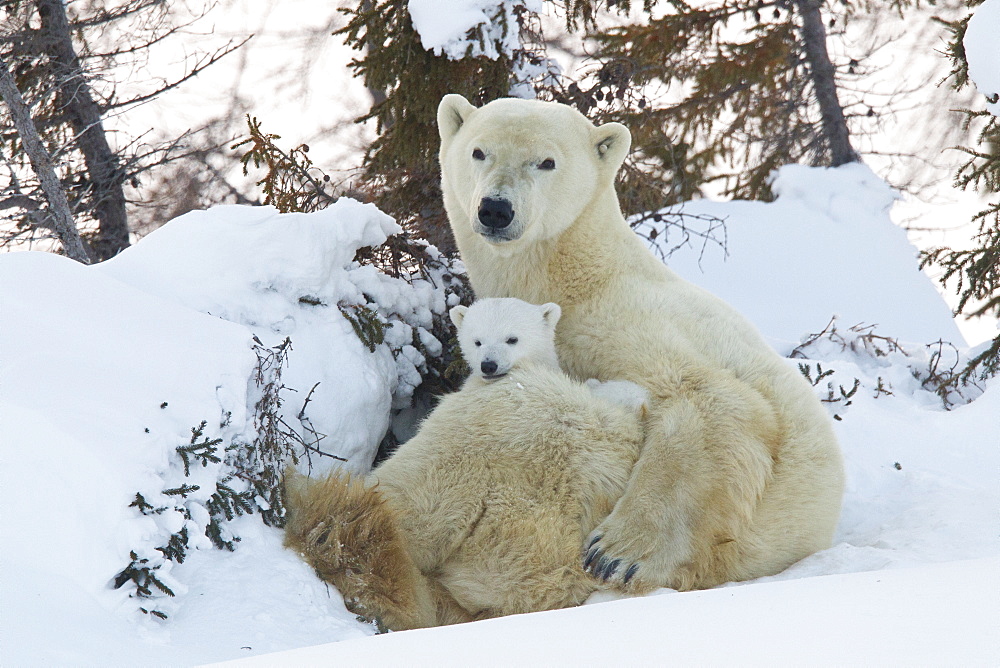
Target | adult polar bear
(740,474)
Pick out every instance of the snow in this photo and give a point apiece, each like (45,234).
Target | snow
(902,617)
(225,262)
(106,369)
(981,51)
(444,25)
(825,247)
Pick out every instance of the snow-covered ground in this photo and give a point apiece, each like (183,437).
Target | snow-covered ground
(105,370)
(942,615)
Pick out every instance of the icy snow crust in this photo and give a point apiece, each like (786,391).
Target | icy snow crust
(161,338)
(982,51)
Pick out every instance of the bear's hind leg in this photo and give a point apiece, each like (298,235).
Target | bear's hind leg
(350,536)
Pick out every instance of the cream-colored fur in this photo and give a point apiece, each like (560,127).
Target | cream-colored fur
(501,334)
(483,512)
(740,475)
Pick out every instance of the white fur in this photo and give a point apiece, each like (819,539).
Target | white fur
(496,335)
(740,474)
(622,392)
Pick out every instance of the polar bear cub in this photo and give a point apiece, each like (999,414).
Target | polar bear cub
(484,511)
(499,334)
(496,335)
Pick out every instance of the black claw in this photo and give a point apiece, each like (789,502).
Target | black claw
(602,564)
(594,540)
(593,554)
(611,569)
(630,573)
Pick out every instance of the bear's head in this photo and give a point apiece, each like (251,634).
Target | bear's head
(523,169)
(497,335)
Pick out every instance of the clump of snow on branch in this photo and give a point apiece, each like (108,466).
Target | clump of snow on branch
(487,28)
(469,28)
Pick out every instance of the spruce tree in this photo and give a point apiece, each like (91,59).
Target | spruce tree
(400,171)
(726,90)
(975,272)
(760,91)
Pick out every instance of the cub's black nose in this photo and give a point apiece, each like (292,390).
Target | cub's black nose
(488,367)
(495,213)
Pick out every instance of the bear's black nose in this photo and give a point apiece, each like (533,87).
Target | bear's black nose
(488,367)
(495,213)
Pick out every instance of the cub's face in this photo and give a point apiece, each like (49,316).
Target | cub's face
(522,170)
(497,335)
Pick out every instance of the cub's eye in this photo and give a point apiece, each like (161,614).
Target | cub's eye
(548,163)
(512,340)
(478,343)
(478,155)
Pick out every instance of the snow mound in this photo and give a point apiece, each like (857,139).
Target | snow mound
(108,369)
(981,51)
(288,275)
(826,247)
(107,379)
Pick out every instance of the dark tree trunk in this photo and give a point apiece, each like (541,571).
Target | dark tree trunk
(103,167)
(59,218)
(824,83)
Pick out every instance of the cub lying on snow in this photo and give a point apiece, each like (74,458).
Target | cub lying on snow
(484,511)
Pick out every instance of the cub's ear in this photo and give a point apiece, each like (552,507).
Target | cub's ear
(612,142)
(453,111)
(550,314)
(457,314)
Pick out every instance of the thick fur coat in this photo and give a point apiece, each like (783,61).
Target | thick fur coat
(740,474)
(484,511)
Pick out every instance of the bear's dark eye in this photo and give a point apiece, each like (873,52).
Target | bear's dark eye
(478,343)
(478,155)
(512,340)
(548,163)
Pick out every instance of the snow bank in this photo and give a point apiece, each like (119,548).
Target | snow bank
(981,51)
(285,275)
(100,380)
(108,369)
(825,248)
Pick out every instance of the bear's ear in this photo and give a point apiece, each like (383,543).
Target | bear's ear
(457,314)
(453,111)
(550,314)
(612,142)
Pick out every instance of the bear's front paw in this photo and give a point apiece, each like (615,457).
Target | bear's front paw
(603,567)
(606,563)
